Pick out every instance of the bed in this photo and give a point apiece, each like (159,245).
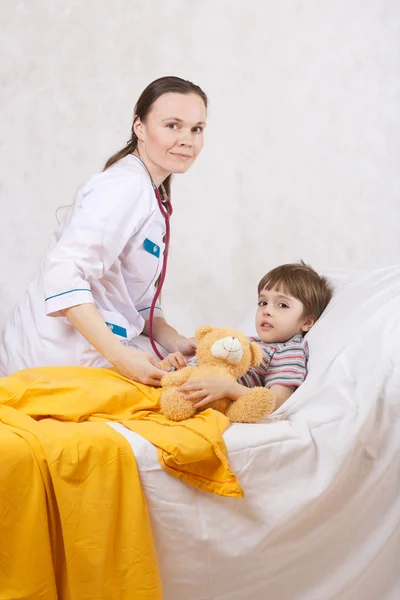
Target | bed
(321,512)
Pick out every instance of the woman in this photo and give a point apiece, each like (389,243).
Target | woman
(90,300)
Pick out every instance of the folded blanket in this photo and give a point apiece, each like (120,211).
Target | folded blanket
(73,518)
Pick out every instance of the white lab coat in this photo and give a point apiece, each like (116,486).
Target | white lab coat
(107,251)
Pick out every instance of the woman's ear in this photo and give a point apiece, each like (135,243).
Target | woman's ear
(138,128)
(308,323)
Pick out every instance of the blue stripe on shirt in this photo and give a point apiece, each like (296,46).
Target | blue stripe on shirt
(68,292)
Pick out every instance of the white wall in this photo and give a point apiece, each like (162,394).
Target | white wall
(302,148)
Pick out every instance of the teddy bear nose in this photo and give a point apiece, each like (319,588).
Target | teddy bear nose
(232,343)
(228,348)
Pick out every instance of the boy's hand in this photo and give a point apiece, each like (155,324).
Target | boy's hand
(175,359)
(203,390)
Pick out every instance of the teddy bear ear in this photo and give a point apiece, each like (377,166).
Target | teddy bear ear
(202,331)
(256,354)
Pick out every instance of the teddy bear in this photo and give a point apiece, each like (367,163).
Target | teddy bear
(222,352)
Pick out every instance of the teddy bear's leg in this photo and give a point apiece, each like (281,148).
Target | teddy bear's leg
(253,406)
(220,405)
(175,406)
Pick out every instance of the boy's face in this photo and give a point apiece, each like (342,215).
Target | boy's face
(280,316)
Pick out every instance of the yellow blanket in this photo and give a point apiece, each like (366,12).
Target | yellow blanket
(73,518)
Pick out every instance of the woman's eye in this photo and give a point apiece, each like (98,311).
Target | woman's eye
(172,125)
(197,129)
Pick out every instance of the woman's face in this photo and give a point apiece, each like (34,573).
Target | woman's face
(172,136)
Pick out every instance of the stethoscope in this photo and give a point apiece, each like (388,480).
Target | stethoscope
(165,207)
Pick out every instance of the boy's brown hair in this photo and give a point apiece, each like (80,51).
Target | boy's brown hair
(302,282)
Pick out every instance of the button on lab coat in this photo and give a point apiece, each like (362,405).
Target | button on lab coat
(107,251)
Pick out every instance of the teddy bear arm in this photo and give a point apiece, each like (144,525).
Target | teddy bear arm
(253,406)
(178,377)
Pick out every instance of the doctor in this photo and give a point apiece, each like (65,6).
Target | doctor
(90,299)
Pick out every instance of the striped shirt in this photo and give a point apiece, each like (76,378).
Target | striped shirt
(282,364)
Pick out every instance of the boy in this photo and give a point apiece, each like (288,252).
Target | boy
(291,298)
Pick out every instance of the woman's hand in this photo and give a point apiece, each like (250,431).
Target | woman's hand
(139,366)
(203,390)
(170,339)
(187,346)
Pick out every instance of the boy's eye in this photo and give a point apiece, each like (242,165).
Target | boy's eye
(283,305)
(262,303)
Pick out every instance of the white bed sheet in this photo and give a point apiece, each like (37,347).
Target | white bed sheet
(321,512)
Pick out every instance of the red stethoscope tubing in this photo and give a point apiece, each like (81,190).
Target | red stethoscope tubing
(166,211)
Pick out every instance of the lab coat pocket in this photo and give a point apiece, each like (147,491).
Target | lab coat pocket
(119,325)
(145,260)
